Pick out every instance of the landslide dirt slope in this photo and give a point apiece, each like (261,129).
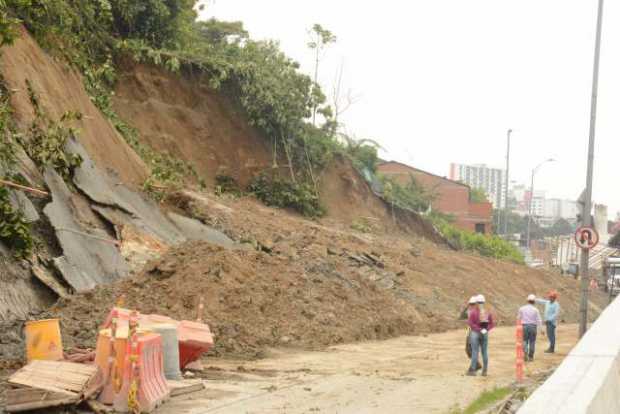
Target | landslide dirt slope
(180,114)
(60,89)
(309,285)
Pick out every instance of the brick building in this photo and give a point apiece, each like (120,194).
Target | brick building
(449,197)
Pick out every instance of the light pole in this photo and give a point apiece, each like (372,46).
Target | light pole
(585,254)
(529,214)
(507,183)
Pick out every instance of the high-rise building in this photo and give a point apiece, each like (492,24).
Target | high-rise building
(490,180)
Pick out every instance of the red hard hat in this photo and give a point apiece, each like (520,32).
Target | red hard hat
(553,294)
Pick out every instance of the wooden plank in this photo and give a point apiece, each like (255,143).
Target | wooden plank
(56,376)
(63,365)
(26,399)
(184,387)
(58,380)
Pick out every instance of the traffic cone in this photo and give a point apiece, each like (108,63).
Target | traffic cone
(519,348)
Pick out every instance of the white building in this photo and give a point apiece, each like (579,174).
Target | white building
(556,209)
(490,180)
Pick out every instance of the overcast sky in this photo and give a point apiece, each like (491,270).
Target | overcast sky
(441,81)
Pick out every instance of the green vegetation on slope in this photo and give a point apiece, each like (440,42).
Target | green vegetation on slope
(414,197)
(15,231)
(277,98)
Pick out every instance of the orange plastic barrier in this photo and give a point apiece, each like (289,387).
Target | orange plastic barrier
(195,339)
(110,357)
(144,386)
(519,362)
(123,316)
(43,340)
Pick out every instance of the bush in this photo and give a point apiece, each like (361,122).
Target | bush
(488,246)
(284,194)
(225,184)
(410,197)
(14,229)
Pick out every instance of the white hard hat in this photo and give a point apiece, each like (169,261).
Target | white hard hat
(480,299)
(531,298)
(472,300)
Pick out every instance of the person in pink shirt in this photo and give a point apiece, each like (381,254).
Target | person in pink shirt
(531,320)
(481,323)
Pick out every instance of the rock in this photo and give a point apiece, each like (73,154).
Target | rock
(266,245)
(285,340)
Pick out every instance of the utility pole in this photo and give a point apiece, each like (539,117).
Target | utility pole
(507,183)
(587,219)
(529,214)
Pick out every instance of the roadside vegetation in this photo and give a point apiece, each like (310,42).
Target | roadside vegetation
(485,401)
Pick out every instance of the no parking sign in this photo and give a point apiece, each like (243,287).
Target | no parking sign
(586,237)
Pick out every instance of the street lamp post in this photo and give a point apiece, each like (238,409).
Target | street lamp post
(529,214)
(506,185)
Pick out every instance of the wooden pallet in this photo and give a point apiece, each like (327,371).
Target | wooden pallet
(44,384)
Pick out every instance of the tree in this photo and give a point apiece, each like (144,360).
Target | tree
(320,38)
(341,103)
(561,228)
(477,195)
(159,22)
(363,152)
(518,224)
(218,32)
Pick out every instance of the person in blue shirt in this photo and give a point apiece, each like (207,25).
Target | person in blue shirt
(552,311)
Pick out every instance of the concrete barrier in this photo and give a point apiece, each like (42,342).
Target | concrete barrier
(588,381)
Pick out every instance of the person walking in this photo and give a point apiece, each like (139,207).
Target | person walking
(530,318)
(471,304)
(551,314)
(481,322)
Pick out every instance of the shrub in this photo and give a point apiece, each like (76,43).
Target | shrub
(225,184)
(285,194)
(14,229)
(488,246)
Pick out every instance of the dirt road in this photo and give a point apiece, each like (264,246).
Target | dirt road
(403,375)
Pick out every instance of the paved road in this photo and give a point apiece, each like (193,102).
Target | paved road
(403,375)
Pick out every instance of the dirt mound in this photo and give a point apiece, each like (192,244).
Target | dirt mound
(254,300)
(60,89)
(307,285)
(182,115)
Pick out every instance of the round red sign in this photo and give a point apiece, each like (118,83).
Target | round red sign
(586,237)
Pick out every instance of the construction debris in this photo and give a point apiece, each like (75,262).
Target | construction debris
(24,188)
(45,384)
(87,261)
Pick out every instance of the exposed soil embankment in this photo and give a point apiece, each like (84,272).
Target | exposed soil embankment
(180,114)
(60,89)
